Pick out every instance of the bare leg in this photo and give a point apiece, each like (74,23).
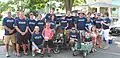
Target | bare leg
(18,49)
(107,44)
(24,49)
(6,49)
(14,49)
(49,50)
(99,41)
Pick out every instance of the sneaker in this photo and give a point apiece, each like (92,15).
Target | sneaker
(105,48)
(72,49)
(39,51)
(49,55)
(7,55)
(33,54)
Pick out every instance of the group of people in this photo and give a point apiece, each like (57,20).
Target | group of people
(36,35)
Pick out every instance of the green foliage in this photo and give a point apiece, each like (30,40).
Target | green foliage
(3,6)
(78,2)
(37,4)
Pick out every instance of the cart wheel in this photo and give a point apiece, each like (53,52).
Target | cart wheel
(56,50)
(75,53)
(84,54)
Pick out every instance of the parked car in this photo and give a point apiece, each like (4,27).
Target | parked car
(115,29)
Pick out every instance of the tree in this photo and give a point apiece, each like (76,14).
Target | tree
(36,4)
(4,6)
(70,3)
(28,4)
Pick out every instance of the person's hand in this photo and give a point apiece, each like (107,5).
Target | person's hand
(32,32)
(11,31)
(102,22)
(23,33)
(66,27)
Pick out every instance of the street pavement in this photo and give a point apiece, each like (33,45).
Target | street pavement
(112,52)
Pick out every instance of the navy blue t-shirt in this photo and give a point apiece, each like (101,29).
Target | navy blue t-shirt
(41,24)
(81,23)
(74,35)
(31,24)
(52,24)
(98,23)
(89,25)
(8,22)
(37,38)
(21,24)
(107,20)
(70,21)
(63,22)
(47,17)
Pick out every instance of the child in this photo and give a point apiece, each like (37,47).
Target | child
(94,36)
(47,35)
(37,41)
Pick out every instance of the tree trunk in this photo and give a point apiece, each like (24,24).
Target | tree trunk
(68,4)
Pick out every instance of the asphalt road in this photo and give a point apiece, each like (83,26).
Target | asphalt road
(112,52)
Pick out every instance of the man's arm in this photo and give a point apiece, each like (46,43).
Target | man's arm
(16,27)
(6,28)
(107,24)
(27,28)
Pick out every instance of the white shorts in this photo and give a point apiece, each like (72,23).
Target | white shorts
(34,48)
(106,34)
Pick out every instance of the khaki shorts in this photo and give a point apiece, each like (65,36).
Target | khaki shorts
(8,38)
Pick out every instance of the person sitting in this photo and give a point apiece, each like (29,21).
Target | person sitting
(74,36)
(37,41)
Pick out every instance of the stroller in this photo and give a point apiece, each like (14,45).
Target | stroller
(58,41)
(83,47)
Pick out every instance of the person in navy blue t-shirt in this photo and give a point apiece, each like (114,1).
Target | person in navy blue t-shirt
(8,23)
(80,24)
(70,23)
(47,17)
(52,23)
(69,19)
(73,35)
(98,21)
(63,23)
(40,22)
(21,26)
(75,17)
(37,41)
(106,23)
(98,24)
(88,24)
(31,25)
